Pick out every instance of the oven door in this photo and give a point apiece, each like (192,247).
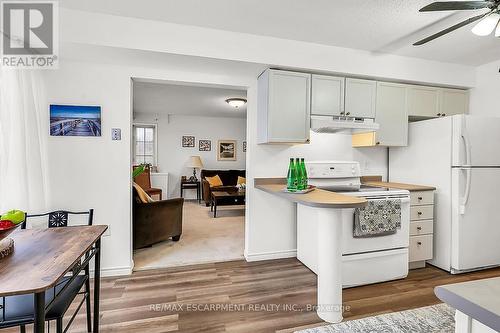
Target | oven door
(400,239)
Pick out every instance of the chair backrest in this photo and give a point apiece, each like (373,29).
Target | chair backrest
(144,179)
(59,218)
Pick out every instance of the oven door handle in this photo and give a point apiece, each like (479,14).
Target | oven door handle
(404,200)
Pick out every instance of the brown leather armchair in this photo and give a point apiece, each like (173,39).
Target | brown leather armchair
(156,221)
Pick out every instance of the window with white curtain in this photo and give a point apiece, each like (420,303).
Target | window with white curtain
(145,144)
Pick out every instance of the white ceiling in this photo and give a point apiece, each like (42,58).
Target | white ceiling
(175,99)
(389,26)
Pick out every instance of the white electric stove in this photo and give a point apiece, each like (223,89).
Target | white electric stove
(364,260)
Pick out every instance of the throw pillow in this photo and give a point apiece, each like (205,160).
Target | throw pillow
(214,181)
(241,181)
(145,198)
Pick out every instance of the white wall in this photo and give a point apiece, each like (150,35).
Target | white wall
(484,97)
(172,157)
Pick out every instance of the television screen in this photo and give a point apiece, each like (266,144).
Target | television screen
(75,120)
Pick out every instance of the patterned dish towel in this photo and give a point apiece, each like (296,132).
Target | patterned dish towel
(377,218)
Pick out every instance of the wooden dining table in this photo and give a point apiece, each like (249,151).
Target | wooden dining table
(42,257)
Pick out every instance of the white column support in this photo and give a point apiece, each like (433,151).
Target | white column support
(330,265)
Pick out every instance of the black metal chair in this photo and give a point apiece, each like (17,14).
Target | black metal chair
(19,310)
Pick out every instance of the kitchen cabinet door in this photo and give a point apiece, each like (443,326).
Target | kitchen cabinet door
(284,107)
(392,114)
(423,101)
(454,101)
(327,97)
(360,98)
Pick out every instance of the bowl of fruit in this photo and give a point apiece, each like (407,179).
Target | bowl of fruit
(9,222)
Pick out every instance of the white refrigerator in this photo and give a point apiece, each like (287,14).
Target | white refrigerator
(460,156)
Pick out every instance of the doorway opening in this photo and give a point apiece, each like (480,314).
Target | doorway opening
(189,144)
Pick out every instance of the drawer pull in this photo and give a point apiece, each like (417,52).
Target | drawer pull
(419,243)
(419,213)
(419,198)
(419,228)
(348,113)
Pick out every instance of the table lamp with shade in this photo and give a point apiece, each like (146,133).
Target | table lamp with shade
(195,163)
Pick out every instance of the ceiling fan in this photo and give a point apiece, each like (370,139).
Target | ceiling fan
(488,21)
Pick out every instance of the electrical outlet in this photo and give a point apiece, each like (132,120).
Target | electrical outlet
(116,134)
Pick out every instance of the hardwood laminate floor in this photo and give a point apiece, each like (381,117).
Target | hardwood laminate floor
(266,296)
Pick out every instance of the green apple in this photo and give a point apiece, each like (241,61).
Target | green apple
(16,216)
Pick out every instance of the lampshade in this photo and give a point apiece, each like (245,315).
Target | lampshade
(486,25)
(195,162)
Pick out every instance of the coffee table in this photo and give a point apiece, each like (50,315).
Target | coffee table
(226,199)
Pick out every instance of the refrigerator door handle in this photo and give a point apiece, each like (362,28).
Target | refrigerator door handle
(465,198)
(466,143)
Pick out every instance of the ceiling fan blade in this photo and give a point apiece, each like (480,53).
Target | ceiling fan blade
(456,5)
(450,29)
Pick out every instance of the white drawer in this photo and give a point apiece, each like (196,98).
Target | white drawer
(418,213)
(420,248)
(422,198)
(421,227)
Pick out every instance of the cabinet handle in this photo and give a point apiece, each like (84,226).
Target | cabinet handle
(444,114)
(419,213)
(377,143)
(342,113)
(419,243)
(419,198)
(439,114)
(348,113)
(419,228)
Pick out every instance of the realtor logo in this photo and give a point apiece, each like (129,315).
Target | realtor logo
(29,34)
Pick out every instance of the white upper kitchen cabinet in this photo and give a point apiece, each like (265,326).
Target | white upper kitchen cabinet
(423,101)
(391,115)
(327,97)
(284,105)
(454,101)
(360,98)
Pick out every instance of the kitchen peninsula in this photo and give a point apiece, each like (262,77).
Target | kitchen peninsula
(329,206)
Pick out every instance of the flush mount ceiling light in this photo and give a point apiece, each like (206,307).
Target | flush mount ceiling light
(488,20)
(236,102)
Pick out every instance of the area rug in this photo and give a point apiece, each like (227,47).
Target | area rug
(436,318)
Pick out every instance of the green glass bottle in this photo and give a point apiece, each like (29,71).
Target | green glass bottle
(304,178)
(299,174)
(291,179)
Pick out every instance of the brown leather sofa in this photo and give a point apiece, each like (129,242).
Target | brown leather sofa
(157,221)
(229,180)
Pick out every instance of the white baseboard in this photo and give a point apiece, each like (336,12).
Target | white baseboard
(270,255)
(113,271)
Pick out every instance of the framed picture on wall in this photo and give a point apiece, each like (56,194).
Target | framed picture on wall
(188,141)
(75,120)
(205,145)
(244,146)
(226,150)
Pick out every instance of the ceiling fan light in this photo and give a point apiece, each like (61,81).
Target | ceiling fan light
(486,25)
(497,31)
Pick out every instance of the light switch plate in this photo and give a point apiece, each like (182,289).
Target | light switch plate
(116,134)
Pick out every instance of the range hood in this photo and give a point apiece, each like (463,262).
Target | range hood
(335,124)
